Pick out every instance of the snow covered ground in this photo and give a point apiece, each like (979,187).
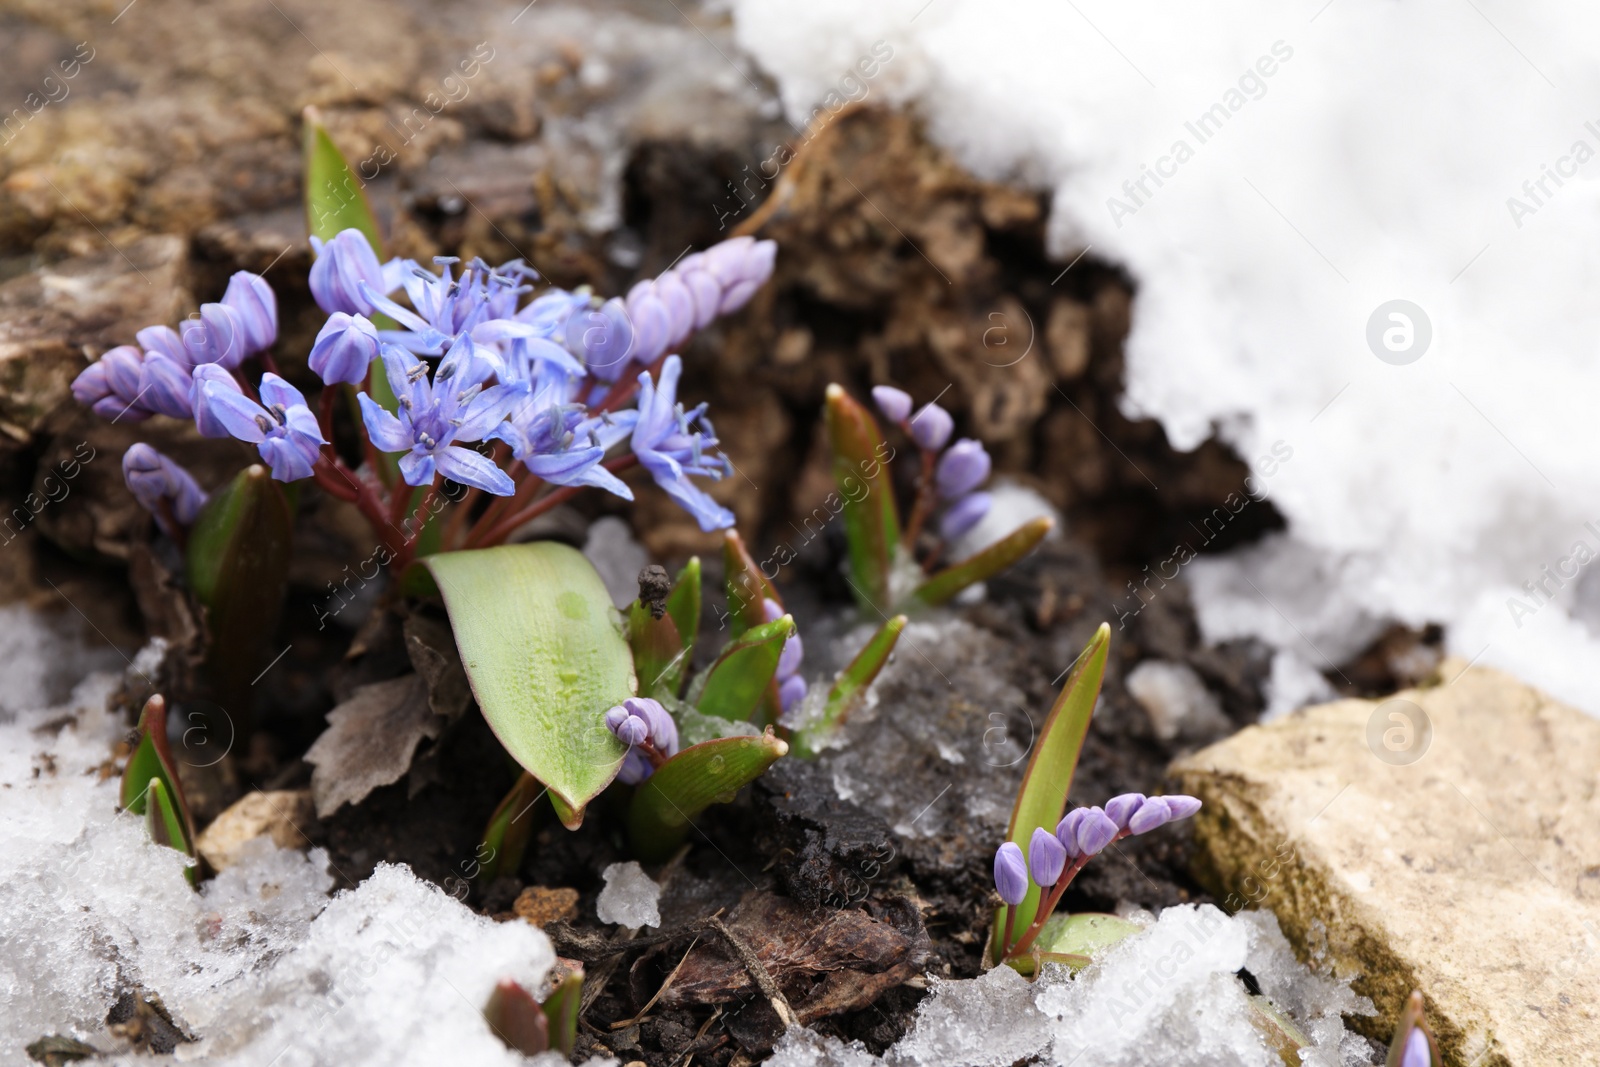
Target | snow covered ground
(1276,177)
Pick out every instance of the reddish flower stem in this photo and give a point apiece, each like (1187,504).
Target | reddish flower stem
(924,504)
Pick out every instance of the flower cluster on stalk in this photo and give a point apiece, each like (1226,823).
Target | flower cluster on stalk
(957,471)
(487,384)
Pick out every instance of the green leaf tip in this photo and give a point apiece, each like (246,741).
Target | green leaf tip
(517,1019)
(738,683)
(151,787)
(336,198)
(871,519)
(1042,797)
(561,1008)
(986,564)
(545,658)
(505,839)
(666,804)
(849,687)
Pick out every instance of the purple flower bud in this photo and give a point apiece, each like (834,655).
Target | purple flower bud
(603,338)
(1011,874)
(205,415)
(678,301)
(791,691)
(1151,814)
(91,385)
(342,265)
(1417,1051)
(1182,806)
(931,426)
(663,732)
(1067,831)
(962,468)
(789,659)
(771,610)
(1121,808)
(702,286)
(651,323)
(741,265)
(217,336)
(253,300)
(162,487)
(964,514)
(1095,832)
(629,729)
(345,347)
(1046,857)
(124,367)
(165,340)
(164,386)
(110,385)
(894,403)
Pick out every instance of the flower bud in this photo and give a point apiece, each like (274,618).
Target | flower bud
(962,468)
(1010,874)
(165,340)
(931,426)
(162,487)
(702,286)
(678,301)
(603,338)
(1046,857)
(1095,832)
(1067,831)
(253,300)
(341,266)
(650,322)
(629,729)
(964,514)
(217,336)
(1182,806)
(345,347)
(894,403)
(110,385)
(1121,808)
(205,380)
(164,386)
(791,691)
(741,265)
(1151,814)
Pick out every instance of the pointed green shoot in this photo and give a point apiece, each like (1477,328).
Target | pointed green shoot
(561,1008)
(712,772)
(658,653)
(849,688)
(517,1019)
(534,625)
(1412,1018)
(683,604)
(1042,798)
(737,683)
(505,839)
(335,198)
(151,761)
(871,520)
(237,564)
(748,589)
(986,564)
(165,825)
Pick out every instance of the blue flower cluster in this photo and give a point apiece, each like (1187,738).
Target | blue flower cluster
(961,468)
(467,362)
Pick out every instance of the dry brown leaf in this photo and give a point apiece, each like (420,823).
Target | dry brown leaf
(369,741)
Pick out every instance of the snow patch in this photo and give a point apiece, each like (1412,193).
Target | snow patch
(630,896)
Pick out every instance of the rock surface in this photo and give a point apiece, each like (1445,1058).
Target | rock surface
(279,814)
(1442,839)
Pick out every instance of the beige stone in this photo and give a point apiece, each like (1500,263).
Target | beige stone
(287,815)
(1471,872)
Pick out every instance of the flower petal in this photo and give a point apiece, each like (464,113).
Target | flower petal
(382,427)
(469,468)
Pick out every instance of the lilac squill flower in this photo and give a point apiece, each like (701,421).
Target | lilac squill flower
(961,469)
(652,322)
(672,450)
(603,339)
(964,515)
(1046,857)
(162,488)
(1067,831)
(894,403)
(253,300)
(217,336)
(930,427)
(1182,806)
(1151,814)
(344,349)
(1011,874)
(164,385)
(281,427)
(1095,832)
(791,687)
(165,341)
(203,379)
(741,265)
(703,287)
(1120,808)
(791,691)
(342,265)
(635,721)
(110,385)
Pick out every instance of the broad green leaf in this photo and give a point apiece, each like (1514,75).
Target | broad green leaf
(534,625)
(683,606)
(151,761)
(1087,933)
(986,564)
(747,588)
(561,1008)
(866,492)
(335,198)
(849,687)
(1027,965)
(505,839)
(517,1019)
(237,564)
(665,805)
(1042,797)
(737,682)
(658,653)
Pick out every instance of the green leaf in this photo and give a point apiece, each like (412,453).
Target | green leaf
(1282,1035)
(165,825)
(517,1019)
(737,682)
(1087,933)
(151,761)
(534,625)
(747,588)
(986,564)
(658,653)
(505,839)
(237,564)
(335,198)
(1042,797)
(871,520)
(1027,965)
(666,804)
(683,606)
(849,687)
(561,1007)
